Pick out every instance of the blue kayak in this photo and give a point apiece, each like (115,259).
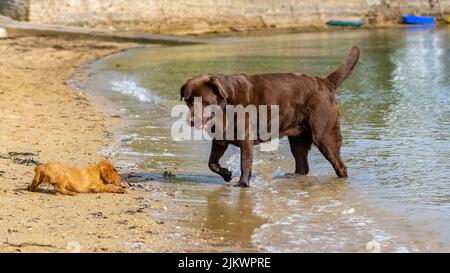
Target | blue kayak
(345,23)
(419,20)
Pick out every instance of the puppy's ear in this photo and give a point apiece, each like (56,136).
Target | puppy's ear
(218,88)
(106,171)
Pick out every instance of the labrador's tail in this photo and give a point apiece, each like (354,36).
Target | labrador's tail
(338,77)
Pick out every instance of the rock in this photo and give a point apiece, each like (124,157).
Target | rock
(10,230)
(3,33)
(98,215)
(169,174)
(73,247)
(137,245)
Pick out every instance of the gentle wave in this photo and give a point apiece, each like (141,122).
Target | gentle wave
(311,220)
(131,88)
(127,152)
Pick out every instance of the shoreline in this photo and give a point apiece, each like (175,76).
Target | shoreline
(189,236)
(46,120)
(350,204)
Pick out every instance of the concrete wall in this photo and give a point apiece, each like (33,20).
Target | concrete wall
(199,16)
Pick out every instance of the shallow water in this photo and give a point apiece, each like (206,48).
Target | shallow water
(395,118)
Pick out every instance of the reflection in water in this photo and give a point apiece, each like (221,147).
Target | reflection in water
(418,126)
(230,212)
(395,121)
(415,121)
(226,212)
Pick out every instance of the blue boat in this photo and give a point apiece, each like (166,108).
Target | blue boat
(345,23)
(418,20)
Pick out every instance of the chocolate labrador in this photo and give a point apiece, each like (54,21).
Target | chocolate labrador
(308,112)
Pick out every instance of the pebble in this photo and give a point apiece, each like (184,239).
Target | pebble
(348,211)
(373,246)
(3,33)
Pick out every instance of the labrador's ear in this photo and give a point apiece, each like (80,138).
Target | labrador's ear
(218,88)
(182,91)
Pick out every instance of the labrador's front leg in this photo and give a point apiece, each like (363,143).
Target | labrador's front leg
(246,163)
(217,151)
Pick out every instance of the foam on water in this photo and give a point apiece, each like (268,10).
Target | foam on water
(234,163)
(279,172)
(313,220)
(126,152)
(306,232)
(132,88)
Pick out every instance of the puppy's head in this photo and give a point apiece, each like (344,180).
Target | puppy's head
(209,89)
(108,173)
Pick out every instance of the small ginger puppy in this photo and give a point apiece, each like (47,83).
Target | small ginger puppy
(102,177)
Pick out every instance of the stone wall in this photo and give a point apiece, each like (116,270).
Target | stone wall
(192,15)
(199,16)
(16,9)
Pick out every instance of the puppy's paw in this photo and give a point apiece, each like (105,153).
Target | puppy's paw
(121,190)
(93,190)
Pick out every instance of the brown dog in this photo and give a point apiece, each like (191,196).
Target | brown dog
(308,112)
(102,177)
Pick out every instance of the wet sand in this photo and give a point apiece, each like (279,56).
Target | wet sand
(43,120)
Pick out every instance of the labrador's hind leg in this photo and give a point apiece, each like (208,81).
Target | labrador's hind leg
(327,137)
(300,146)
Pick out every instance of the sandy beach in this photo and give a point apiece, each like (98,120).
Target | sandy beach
(386,201)
(45,120)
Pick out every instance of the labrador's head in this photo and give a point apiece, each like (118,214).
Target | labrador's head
(108,173)
(209,89)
